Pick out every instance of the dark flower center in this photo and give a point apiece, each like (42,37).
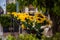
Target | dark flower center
(40,16)
(31,17)
(39,19)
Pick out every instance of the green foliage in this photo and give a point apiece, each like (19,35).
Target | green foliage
(55,37)
(22,3)
(27,37)
(42,5)
(5,20)
(9,37)
(56,9)
(33,37)
(11,7)
(28,24)
(0,38)
(22,37)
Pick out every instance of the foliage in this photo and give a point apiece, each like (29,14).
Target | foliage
(22,37)
(51,5)
(55,37)
(9,37)
(29,20)
(22,4)
(5,20)
(32,22)
(56,8)
(0,38)
(27,37)
(11,7)
(40,4)
(33,37)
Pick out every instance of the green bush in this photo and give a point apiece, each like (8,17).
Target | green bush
(55,37)
(5,20)
(10,37)
(22,37)
(27,37)
(33,37)
(0,38)
(11,7)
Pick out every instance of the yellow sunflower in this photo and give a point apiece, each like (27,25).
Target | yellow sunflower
(22,17)
(39,20)
(8,13)
(31,18)
(23,27)
(18,14)
(39,15)
(14,14)
(49,22)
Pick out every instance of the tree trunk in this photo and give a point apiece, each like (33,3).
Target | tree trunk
(55,20)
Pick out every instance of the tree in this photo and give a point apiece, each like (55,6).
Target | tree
(52,6)
(11,7)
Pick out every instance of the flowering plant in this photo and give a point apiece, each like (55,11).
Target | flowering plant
(32,22)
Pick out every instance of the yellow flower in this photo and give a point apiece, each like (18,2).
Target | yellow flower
(26,15)
(19,16)
(22,16)
(39,20)
(23,27)
(14,14)
(39,15)
(49,22)
(43,19)
(31,18)
(8,13)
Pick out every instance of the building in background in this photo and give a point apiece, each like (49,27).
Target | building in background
(3,5)
(10,1)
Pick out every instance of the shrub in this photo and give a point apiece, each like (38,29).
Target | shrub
(55,37)
(10,37)
(27,37)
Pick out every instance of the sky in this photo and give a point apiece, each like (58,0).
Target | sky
(3,4)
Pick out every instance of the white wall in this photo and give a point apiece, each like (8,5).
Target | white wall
(3,5)
(11,1)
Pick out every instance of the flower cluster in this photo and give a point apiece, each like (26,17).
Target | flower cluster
(23,16)
(29,20)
